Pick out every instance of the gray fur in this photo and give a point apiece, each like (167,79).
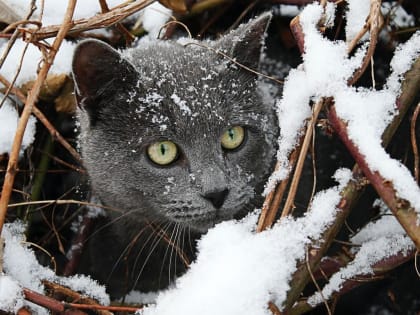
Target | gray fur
(189,95)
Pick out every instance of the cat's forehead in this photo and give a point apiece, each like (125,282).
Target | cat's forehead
(179,88)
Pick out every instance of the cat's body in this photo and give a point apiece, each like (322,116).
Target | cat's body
(176,136)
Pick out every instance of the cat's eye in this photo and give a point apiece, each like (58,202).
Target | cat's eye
(163,152)
(233,137)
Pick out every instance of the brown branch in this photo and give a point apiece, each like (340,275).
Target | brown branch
(349,196)
(74,296)
(380,269)
(112,17)
(27,110)
(302,155)
(42,300)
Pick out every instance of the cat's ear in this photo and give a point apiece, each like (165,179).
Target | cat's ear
(245,44)
(96,68)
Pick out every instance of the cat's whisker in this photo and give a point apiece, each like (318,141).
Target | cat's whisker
(126,251)
(158,237)
(109,224)
(174,231)
(153,237)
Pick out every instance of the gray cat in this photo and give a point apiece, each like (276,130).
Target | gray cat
(179,138)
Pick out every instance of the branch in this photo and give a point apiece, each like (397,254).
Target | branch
(98,21)
(12,166)
(404,212)
(379,270)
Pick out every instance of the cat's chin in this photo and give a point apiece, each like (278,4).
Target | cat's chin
(200,224)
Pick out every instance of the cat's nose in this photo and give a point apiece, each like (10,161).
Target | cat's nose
(217,198)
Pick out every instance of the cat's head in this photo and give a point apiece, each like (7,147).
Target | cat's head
(177,132)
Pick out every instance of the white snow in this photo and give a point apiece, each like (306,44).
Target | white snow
(154,17)
(379,240)
(32,61)
(181,104)
(11,295)
(357,13)
(238,271)
(8,123)
(23,269)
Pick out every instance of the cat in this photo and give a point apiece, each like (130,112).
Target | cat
(179,137)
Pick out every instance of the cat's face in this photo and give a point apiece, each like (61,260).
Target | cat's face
(176,133)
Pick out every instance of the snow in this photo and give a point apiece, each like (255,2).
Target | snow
(357,13)
(32,60)
(23,270)
(181,104)
(11,295)
(8,123)
(238,271)
(379,240)
(324,73)
(154,17)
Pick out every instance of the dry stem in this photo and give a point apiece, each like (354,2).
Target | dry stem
(106,19)
(12,166)
(303,152)
(375,22)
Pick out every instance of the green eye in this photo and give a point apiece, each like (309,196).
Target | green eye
(233,138)
(163,152)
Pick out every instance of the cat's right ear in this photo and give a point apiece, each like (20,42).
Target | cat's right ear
(97,67)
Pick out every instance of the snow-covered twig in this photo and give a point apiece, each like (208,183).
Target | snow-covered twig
(401,208)
(106,19)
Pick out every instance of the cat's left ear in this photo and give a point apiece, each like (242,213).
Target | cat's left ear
(97,67)
(245,44)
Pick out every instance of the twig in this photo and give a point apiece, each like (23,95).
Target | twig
(379,269)
(316,283)
(42,300)
(84,301)
(219,52)
(115,15)
(32,97)
(273,199)
(375,22)
(302,155)
(414,142)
